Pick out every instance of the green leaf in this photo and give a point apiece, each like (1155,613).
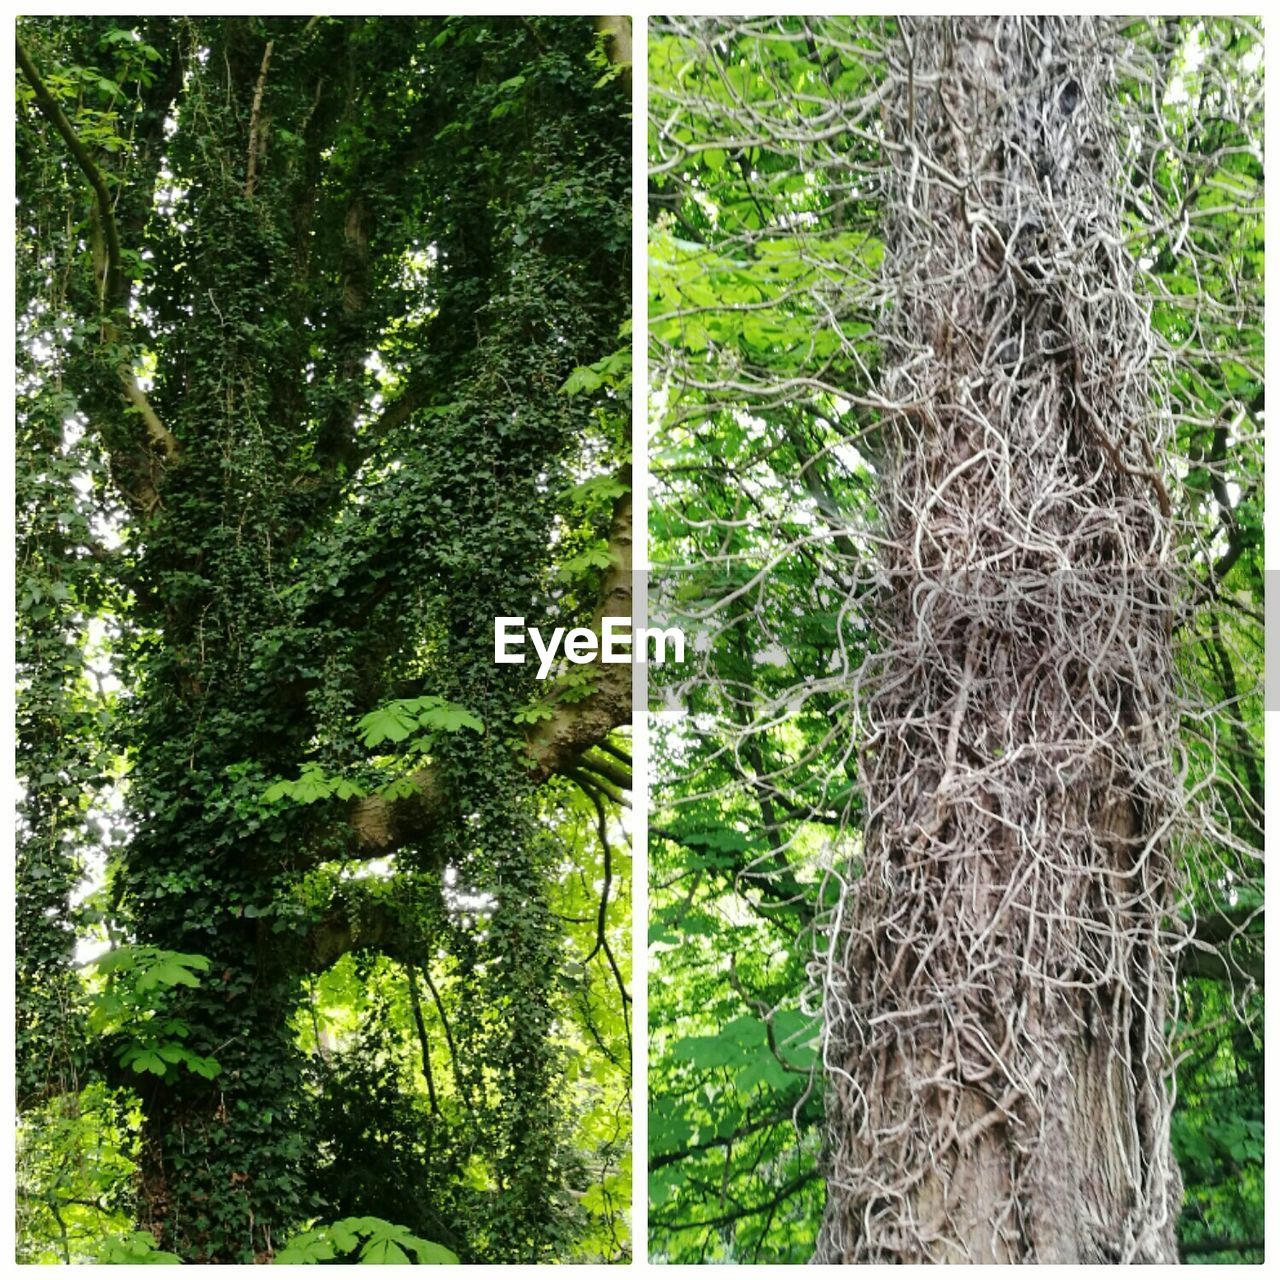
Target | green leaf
(344,1235)
(597,556)
(450,717)
(206,1067)
(431,1254)
(138,1248)
(385,1244)
(387,724)
(534,712)
(310,1247)
(706,1052)
(399,789)
(383,1253)
(597,489)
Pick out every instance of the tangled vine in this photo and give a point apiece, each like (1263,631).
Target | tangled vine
(949,291)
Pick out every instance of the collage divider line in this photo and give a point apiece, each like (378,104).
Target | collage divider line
(639,618)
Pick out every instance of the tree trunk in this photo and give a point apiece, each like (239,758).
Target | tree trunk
(996,987)
(221,1162)
(273,586)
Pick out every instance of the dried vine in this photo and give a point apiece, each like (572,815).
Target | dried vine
(960,221)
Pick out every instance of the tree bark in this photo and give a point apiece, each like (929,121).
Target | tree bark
(997,984)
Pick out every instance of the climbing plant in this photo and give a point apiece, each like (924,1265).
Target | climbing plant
(868,239)
(318,323)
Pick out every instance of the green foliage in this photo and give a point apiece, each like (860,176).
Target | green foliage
(136,1249)
(1219,1128)
(132,1005)
(397,720)
(613,371)
(312,784)
(142,969)
(596,490)
(373,1241)
(76,1164)
(355,276)
(596,556)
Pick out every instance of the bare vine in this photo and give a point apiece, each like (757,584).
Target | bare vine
(1037,766)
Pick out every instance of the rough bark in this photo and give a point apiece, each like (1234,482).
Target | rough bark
(997,983)
(616,29)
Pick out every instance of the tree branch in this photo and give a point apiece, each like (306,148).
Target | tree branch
(458,1079)
(370,916)
(555,745)
(117,288)
(251,165)
(362,916)
(602,919)
(616,30)
(592,786)
(747,1211)
(782,1115)
(52,111)
(1226,946)
(416,1005)
(607,770)
(1220,1244)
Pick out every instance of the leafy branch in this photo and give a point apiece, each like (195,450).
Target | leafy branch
(114,279)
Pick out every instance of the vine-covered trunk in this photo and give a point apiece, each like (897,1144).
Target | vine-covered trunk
(996,990)
(220,1165)
(304,298)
